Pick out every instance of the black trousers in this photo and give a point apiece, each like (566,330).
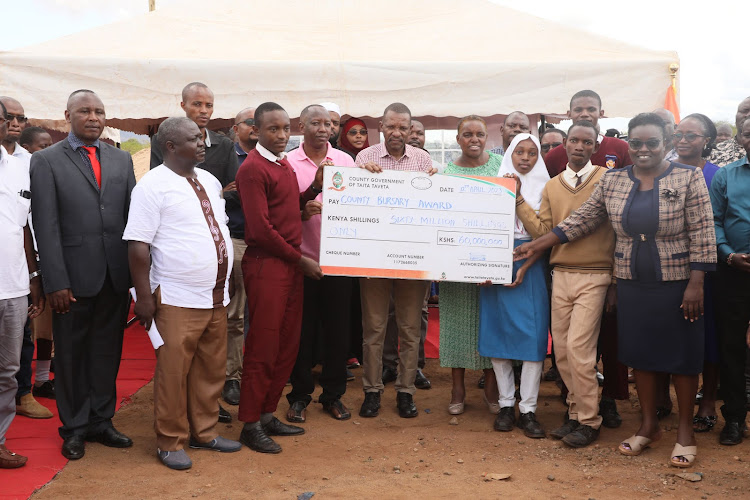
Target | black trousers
(732,316)
(88,347)
(325,314)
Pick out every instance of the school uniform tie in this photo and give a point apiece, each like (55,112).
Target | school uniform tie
(95,165)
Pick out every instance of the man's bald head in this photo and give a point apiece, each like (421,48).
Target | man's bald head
(9,100)
(669,123)
(313,110)
(244,115)
(76,95)
(244,133)
(192,87)
(172,129)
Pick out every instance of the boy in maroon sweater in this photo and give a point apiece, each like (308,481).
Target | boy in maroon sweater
(612,153)
(272,268)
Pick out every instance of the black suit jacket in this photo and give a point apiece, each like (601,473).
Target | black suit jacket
(79,227)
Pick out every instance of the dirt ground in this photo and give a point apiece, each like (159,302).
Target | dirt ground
(391,457)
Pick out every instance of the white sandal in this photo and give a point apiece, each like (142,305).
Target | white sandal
(687,452)
(635,445)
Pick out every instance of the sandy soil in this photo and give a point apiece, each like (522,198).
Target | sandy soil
(141,162)
(390,457)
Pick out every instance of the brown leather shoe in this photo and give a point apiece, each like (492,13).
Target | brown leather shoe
(337,410)
(9,460)
(27,406)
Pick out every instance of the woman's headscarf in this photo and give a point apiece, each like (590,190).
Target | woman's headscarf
(532,183)
(344,136)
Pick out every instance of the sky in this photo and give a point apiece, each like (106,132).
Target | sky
(706,35)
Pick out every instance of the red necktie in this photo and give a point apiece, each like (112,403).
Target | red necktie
(95,166)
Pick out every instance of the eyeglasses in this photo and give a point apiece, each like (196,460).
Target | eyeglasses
(20,118)
(249,122)
(689,137)
(354,132)
(650,144)
(551,145)
(2,121)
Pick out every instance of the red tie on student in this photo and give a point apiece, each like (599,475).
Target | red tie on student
(95,166)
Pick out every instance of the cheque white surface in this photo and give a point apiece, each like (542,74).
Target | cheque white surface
(415,226)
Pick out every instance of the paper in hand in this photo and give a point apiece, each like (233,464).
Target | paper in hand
(153,333)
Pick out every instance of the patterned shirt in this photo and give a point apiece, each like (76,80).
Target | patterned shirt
(413,160)
(77,145)
(727,152)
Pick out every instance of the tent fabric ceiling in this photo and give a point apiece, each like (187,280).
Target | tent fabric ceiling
(443,58)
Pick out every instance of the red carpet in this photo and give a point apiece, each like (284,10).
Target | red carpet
(39,440)
(432,340)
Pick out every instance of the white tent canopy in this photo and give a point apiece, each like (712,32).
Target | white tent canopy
(443,58)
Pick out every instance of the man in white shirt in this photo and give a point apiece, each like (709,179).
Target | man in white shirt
(178,222)
(16,260)
(26,405)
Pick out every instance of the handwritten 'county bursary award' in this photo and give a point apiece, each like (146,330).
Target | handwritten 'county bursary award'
(414,226)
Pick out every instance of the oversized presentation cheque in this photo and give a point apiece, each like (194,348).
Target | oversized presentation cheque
(415,226)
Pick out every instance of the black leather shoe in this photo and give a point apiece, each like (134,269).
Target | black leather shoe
(389,375)
(255,438)
(406,406)
(276,427)
(732,433)
(422,382)
(111,437)
(565,429)
(74,447)
(505,420)
(532,428)
(44,390)
(608,411)
(224,416)
(231,392)
(371,405)
(583,436)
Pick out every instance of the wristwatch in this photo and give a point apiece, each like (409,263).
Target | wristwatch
(34,274)
(315,190)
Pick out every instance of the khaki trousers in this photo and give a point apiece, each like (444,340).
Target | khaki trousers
(408,297)
(236,315)
(577,306)
(189,374)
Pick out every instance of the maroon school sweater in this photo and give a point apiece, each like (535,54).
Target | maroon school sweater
(613,153)
(271,202)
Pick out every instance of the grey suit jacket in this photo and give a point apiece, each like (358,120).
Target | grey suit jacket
(79,227)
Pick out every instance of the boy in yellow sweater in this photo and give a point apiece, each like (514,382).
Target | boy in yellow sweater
(581,282)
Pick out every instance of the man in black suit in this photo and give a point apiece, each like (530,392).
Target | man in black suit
(81,192)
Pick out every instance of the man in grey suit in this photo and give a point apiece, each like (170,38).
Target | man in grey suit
(81,192)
